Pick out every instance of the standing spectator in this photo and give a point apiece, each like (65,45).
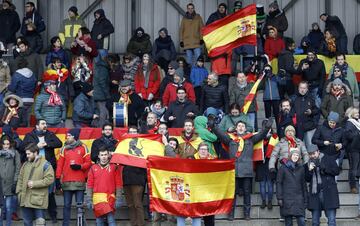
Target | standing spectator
(169,77)
(106,140)
(164,49)
(352,146)
(291,189)
(229,121)
(5,77)
(180,109)
(23,83)
(139,43)
(320,172)
(159,109)
(32,16)
(50,106)
(333,23)
(287,117)
(36,175)
(130,66)
(315,37)
(214,94)
(10,165)
(178,81)
(85,111)
(116,75)
(84,45)
(12,111)
(185,66)
(328,46)
(219,14)
(9,23)
(188,141)
(69,27)
(81,71)
(271,94)
(34,38)
(275,19)
(198,75)
(274,44)
(73,164)
(190,34)
(101,31)
(147,79)
(57,51)
(104,180)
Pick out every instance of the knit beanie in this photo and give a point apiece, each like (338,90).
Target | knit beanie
(180,72)
(174,64)
(73,9)
(333,116)
(290,127)
(75,132)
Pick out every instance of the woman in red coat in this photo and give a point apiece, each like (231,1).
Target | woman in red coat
(273,44)
(147,79)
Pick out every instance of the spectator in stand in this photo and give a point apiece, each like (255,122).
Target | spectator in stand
(35,178)
(347,73)
(23,84)
(50,106)
(180,109)
(139,43)
(57,51)
(201,127)
(190,34)
(5,76)
(84,45)
(178,81)
(70,27)
(147,79)
(101,31)
(73,165)
(106,140)
(214,94)
(274,44)
(313,71)
(320,172)
(218,15)
(356,44)
(16,49)
(328,46)
(315,37)
(116,75)
(287,69)
(271,94)
(229,121)
(10,165)
(337,99)
(306,113)
(352,146)
(336,73)
(198,75)
(287,117)
(291,189)
(104,180)
(32,16)
(169,77)
(34,38)
(81,71)
(130,65)
(189,141)
(85,111)
(12,111)
(9,23)
(333,23)
(164,49)
(238,92)
(159,109)
(275,19)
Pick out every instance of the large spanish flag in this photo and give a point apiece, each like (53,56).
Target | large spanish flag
(191,188)
(230,32)
(133,149)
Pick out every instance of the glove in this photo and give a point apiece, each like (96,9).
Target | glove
(182,44)
(201,42)
(58,184)
(75,167)
(280,202)
(13,188)
(150,96)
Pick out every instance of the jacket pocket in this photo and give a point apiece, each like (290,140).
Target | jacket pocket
(37,199)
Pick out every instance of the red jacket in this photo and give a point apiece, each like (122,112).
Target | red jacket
(78,50)
(105,179)
(273,46)
(170,92)
(222,65)
(153,85)
(78,155)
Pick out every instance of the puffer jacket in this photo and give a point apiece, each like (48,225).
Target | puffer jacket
(216,97)
(190,30)
(59,53)
(51,114)
(23,84)
(69,29)
(179,110)
(10,168)
(102,26)
(325,133)
(198,75)
(84,109)
(237,95)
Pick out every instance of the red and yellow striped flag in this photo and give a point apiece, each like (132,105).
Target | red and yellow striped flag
(133,149)
(237,29)
(191,188)
(250,97)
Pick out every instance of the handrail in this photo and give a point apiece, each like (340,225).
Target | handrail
(90,9)
(177,7)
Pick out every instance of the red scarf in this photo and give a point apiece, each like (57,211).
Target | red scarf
(54,98)
(337,92)
(292,142)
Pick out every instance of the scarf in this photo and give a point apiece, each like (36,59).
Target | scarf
(343,68)
(40,133)
(145,69)
(355,122)
(241,141)
(290,164)
(72,145)
(331,45)
(54,98)
(316,178)
(9,113)
(125,98)
(337,92)
(292,143)
(190,16)
(8,154)
(241,86)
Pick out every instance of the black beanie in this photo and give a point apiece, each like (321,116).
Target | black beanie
(86,87)
(73,9)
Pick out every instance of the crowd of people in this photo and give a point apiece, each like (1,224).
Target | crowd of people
(81,80)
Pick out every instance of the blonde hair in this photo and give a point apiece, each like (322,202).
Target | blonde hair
(350,112)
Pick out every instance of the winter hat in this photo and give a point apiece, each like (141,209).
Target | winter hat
(223,4)
(85,87)
(73,9)
(200,58)
(125,82)
(274,5)
(313,148)
(174,64)
(293,151)
(290,127)
(333,116)
(180,72)
(337,81)
(211,111)
(164,30)
(237,5)
(260,12)
(75,132)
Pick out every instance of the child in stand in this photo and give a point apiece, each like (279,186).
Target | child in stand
(197,76)
(81,73)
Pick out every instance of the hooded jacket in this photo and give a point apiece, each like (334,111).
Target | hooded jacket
(164,47)
(200,124)
(36,18)
(139,45)
(69,29)
(10,24)
(102,26)
(214,96)
(169,95)
(278,20)
(23,84)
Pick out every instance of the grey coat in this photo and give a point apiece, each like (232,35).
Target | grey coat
(10,169)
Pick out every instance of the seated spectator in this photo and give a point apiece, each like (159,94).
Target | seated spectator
(169,77)
(81,71)
(328,45)
(85,110)
(185,66)
(16,47)
(130,66)
(84,45)
(228,122)
(139,43)
(178,81)
(334,74)
(273,44)
(158,108)
(315,37)
(198,75)
(5,77)
(12,111)
(164,49)
(214,94)
(57,51)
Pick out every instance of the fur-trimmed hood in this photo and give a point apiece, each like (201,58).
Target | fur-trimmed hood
(347,88)
(7,98)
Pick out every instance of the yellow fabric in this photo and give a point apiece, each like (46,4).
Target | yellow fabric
(195,143)
(273,141)
(101,197)
(252,91)
(147,147)
(194,185)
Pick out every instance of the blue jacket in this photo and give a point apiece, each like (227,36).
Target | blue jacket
(84,109)
(271,90)
(59,54)
(52,114)
(198,75)
(23,83)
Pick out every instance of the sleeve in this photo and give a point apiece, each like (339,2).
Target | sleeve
(156,83)
(62,32)
(7,76)
(283,25)
(86,160)
(81,109)
(154,49)
(118,176)
(324,106)
(168,113)
(53,141)
(20,181)
(40,24)
(169,151)
(108,28)
(279,183)
(166,96)
(48,59)
(63,110)
(191,93)
(131,48)
(40,67)
(222,136)
(90,179)
(38,107)
(274,156)
(94,151)
(17,24)
(23,27)
(202,99)
(173,51)
(60,164)
(17,166)
(304,153)
(226,100)
(317,138)
(181,30)
(13,84)
(304,188)
(47,180)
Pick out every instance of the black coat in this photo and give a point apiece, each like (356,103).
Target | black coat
(278,20)
(315,74)
(166,80)
(103,27)
(284,121)
(37,19)
(328,170)
(286,62)
(325,133)
(10,24)
(179,110)
(109,143)
(351,137)
(216,97)
(132,175)
(291,189)
(333,23)
(52,142)
(215,16)
(135,109)
(262,170)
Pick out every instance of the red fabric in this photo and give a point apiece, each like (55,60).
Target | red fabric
(54,98)
(52,74)
(170,93)
(251,77)
(105,179)
(103,208)
(222,65)
(154,82)
(292,142)
(270,147)
(78,50)
(78,155)
(273,47)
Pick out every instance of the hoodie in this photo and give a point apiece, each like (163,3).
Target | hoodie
(139,45)
(102,26)
(200,123)
(23,84)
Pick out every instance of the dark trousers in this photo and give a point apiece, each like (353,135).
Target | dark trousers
(134,195)
(299,219)
(272,108)
(52,206)
(288,88)
(354,162)
(341,44)
(244,183)
(209,220)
